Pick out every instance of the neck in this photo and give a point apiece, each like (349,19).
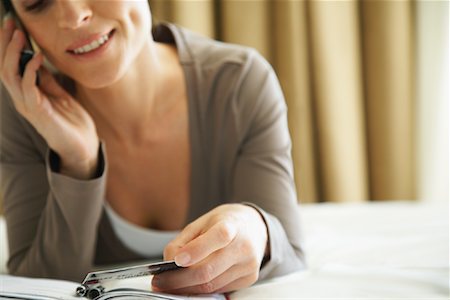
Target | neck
(122,108)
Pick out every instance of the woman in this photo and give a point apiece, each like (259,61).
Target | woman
(141,136)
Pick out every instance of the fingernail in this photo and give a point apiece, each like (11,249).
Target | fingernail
(182,259)
(15,34)
(156,282)
(6,17)
(156,289)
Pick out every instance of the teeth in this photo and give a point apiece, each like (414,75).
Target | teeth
(92,46)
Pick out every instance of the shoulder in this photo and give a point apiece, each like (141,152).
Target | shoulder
(235,86)
(214,58)
(231,68)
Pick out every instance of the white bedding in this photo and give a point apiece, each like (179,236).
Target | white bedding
(378,250)
(383,250)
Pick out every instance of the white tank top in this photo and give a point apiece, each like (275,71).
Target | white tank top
(144,241)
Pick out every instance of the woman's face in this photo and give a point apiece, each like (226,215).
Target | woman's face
(92,41)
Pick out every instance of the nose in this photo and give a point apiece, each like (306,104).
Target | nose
(73,13)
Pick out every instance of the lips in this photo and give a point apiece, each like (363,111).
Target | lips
(90,44)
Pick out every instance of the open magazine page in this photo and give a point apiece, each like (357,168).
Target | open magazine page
(12,287)
(125,293)
(139,287)
(30,288)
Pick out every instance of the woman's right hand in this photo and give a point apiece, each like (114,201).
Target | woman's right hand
(66,126)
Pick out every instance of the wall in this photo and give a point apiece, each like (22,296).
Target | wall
(432,21)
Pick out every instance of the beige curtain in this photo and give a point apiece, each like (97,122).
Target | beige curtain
(346,68)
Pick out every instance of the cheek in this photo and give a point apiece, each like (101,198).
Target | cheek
(136,28)
(55,57)
(139,15)
(47,43)
(52,48)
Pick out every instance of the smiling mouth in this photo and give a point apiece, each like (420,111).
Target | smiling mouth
(94,45)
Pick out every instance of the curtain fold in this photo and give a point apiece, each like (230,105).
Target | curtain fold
(291,58)
(388,59)
(346,69)
(336,61)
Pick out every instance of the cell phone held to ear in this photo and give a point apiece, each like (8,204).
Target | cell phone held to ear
(25,57)
(27,53)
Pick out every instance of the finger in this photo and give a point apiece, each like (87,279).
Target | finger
(216,237)
(207,270)
(234,277)
(63,108)
(189,233)
(10,69)
(238,284)
(61,99)
(30,72)
(29,89)
(50,86)
(34,98)
(6,33)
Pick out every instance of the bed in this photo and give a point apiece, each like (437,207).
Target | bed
(376,250)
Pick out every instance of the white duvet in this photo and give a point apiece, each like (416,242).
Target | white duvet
(377,250)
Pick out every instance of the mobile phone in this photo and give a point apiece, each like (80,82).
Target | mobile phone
(27,53)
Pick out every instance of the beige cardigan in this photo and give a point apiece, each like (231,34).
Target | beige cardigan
(240,152)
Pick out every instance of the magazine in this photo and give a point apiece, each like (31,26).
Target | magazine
(13,287)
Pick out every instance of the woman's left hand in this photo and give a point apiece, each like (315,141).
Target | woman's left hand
(222,251)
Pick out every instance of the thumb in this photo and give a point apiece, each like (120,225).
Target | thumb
(189,233)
